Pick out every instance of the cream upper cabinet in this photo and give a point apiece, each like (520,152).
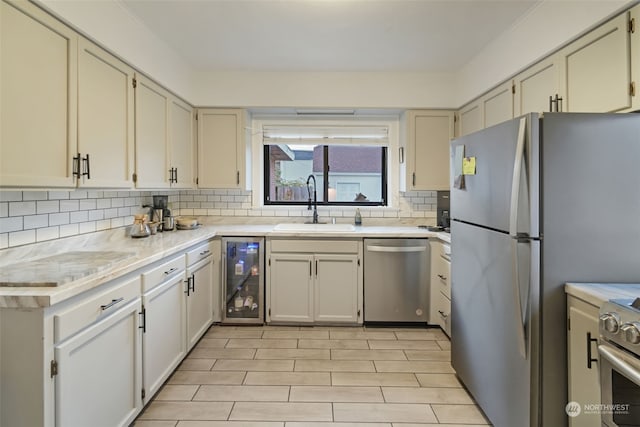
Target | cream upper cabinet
(105,119)
(498,105)
(428,133)
(181,144)
(221,148)
(470,118)
(39,63)
(537,89)
(634,24)
(152,121)
(596,69)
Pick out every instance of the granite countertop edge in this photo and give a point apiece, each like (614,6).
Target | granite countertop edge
(157,247)
(598,293)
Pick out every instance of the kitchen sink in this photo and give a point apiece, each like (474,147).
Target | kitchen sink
(315,228)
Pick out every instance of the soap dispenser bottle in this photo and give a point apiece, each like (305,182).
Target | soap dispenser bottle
(358,220)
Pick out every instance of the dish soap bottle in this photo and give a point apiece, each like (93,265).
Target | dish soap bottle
(358,220)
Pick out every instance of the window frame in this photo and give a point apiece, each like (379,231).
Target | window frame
(325,190)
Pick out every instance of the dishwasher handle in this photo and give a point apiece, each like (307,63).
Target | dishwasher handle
(375,248)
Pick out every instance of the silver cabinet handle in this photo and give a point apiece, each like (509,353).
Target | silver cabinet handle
(205,252)
(171,270)
(111,304)
(442,277)
(396,248)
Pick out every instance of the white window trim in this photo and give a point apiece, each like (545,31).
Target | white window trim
(257,154)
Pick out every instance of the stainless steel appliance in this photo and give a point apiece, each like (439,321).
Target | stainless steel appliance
(550,199)
(396,280)
(620,363)
(243,280)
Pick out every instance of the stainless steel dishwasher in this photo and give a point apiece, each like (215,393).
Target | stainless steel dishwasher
(396,280)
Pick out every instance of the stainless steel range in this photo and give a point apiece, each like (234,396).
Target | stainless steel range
(620,362)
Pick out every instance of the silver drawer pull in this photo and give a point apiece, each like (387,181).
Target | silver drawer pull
(205,252)
(442,314)
(111,304)
(171,270)
(442,277)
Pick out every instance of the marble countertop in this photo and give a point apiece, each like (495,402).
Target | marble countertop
(44,274)
(597,293)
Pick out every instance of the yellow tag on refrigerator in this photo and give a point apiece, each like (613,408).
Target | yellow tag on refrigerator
(469,166)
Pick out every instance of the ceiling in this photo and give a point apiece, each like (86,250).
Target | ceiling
(328,35)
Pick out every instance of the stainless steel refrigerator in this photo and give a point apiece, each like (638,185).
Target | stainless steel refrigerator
(550,199)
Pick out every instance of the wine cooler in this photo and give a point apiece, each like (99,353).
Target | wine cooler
(243,280)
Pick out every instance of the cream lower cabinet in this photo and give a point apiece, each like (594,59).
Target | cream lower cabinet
(202,289)
(440,307)
(314,281)
(584,374)
(164,323)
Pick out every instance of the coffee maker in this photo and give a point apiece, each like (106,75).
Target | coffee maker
(442,210)
(158,210)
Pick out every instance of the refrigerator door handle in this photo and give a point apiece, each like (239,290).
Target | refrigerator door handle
(515,183)
(515,271)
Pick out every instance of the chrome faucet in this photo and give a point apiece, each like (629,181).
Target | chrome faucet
(315,198)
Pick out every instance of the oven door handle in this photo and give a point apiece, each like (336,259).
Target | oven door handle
(622,362)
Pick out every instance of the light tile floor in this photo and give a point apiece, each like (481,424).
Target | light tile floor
(278,376)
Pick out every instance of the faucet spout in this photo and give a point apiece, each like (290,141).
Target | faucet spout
(315,198)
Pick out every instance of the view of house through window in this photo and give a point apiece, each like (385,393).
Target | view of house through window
(344,174)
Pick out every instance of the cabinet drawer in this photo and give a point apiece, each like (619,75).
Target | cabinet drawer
(441,274)
(316,246)
(442,250)
(443,306)
(159,274)
(92,309)
(199,253)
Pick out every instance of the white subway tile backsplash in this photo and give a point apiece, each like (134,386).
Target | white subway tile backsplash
(119,222)
(35,221)
(111,213)
(22,208)
(78,194)
(95,194)
(68,230)
(48,233)
(104,224)
(48,206)
(87,227)
(96,215)
(4,209)
(58,195)
(34,195)
(69,205)
(59,218)
(10,196)
(79,216)
(117,202)
(87,204)
(19,238)
(10,224)
(4,240)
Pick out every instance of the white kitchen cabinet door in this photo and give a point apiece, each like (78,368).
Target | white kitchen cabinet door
(336,289)
(290,288)
(105,118)
(597,69)
(38,87)
(427,156)
(99,372)
(164,333)
(536,85)
(470,118)
(152,162)
(634,23)
(443,312)
(221,148)
(181,144)
(498,105)
(584,381)
(199,300)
